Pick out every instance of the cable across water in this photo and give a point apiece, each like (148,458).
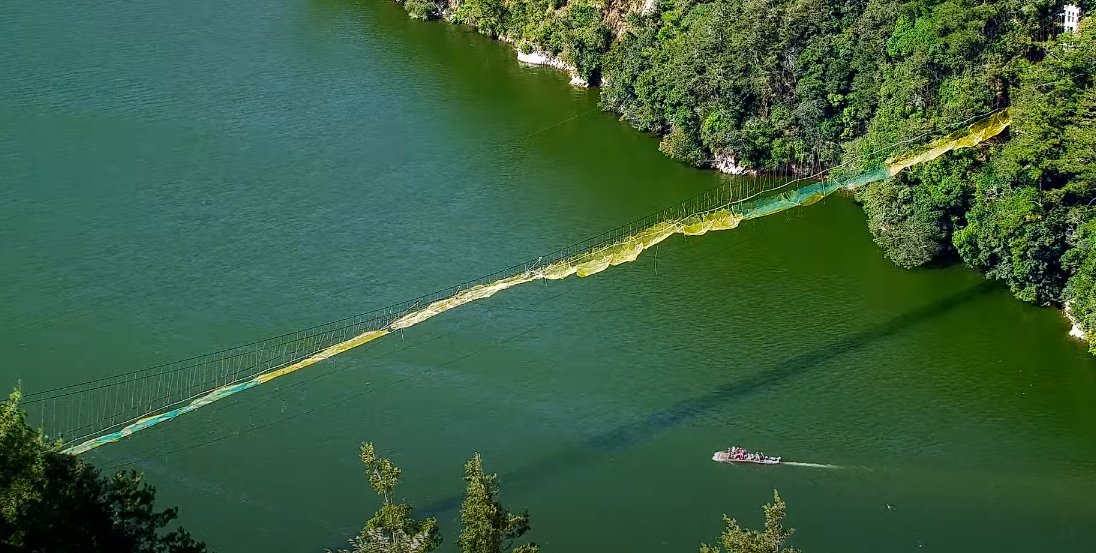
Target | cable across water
(104,410)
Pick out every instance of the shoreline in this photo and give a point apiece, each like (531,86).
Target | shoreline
(723,163)
(1075,331)
(543,59)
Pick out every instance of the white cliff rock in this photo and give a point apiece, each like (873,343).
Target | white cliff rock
(726,163)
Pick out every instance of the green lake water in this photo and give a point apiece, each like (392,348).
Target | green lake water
(180,177)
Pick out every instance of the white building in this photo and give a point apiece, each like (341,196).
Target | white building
(1071,17)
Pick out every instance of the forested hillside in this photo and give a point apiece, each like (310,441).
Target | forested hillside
(794,85)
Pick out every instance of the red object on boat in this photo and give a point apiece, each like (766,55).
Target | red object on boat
(737,454)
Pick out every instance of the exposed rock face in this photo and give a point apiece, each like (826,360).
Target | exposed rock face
(615,16)
(540,58)
(617,11)
(726,163)
(1075,331)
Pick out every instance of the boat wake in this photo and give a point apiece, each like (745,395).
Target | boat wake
(811,465)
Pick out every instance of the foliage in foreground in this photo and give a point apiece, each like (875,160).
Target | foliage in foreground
(393,528)
(796,85)
(771,539)
(52,502)
(487,527)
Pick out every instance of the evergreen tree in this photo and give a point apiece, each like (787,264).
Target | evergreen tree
(736,539)
(486,526)
(393,529)
(53,502)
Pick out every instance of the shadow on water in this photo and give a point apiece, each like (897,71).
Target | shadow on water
(632,434)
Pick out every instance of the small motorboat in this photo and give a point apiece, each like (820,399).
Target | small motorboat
(737,454)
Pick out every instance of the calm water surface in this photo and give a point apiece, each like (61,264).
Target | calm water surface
(180,177)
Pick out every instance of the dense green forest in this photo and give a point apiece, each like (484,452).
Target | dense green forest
(797,85)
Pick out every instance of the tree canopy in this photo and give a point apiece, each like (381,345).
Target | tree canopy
(393,528)
(770,539)
(486,526)
(800,85)
(52,502)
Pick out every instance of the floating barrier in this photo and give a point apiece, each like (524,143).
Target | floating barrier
(106,410)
